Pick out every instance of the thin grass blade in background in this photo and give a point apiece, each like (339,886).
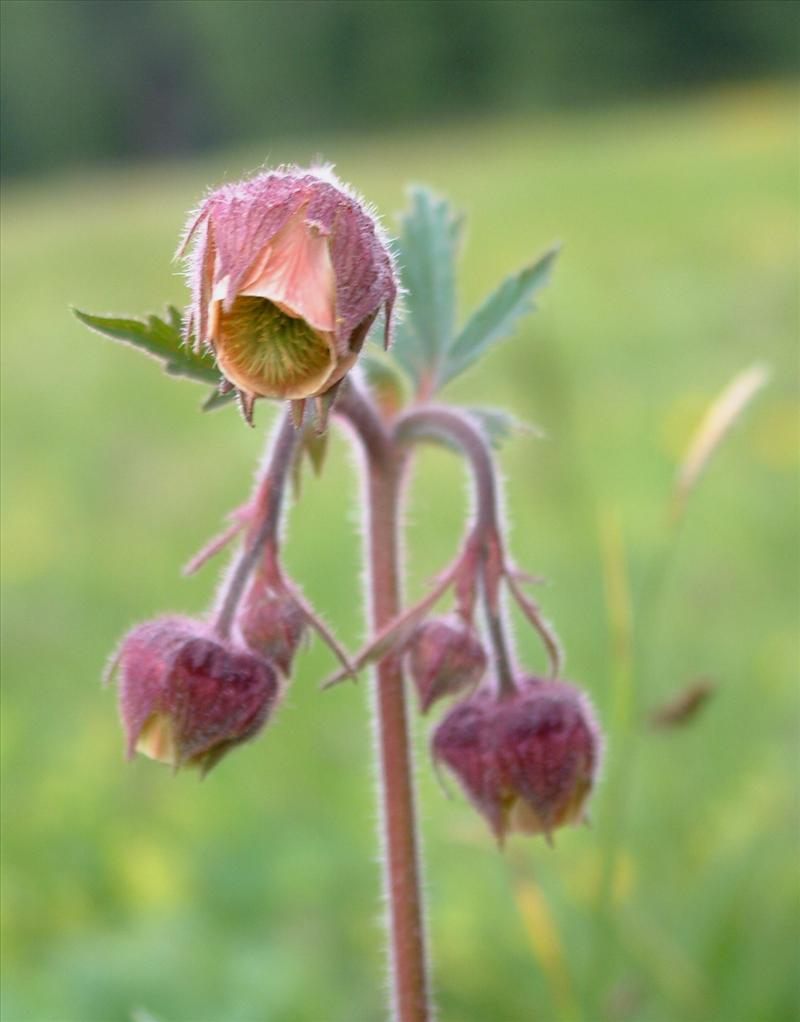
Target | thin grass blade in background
(548,949)
(722,414)
(619,610)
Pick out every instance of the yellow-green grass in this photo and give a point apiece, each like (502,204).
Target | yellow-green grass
(255,894)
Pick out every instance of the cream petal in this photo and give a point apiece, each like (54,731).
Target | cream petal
(221,287)
(157,740)
(524,819)
(296,273)
(214,313)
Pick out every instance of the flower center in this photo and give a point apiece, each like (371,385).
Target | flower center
(265,351)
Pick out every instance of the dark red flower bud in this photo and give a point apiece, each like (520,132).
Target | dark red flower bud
(445,657)
(271,624)
(527,761)
(186,698)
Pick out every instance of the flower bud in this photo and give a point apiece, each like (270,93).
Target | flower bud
(445,657)
(288,272)
(186,698)
(527,761)
(271,624)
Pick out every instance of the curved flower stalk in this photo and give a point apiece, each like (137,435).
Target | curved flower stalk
(481,568)
(526,750)
(259,556)
(288,272)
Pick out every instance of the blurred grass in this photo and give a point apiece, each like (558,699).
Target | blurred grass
(254,895)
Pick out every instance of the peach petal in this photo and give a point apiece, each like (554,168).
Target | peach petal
(296,273)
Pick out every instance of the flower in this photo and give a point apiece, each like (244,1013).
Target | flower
(527,761)
(288,272)
(445,657)
(185,697)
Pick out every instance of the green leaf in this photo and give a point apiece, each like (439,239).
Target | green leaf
(316,447)
(498,425)
(428,243)
(216,399)
(162,340)
(497,317)
(175,318)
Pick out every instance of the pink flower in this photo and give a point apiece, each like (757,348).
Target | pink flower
(288,272)
(185,697)
(527,761)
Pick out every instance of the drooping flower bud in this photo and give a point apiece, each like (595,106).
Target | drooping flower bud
(445,658)
(271,623)
(289,270)
(185,697)
(527,761)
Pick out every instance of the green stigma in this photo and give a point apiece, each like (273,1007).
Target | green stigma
(266,351)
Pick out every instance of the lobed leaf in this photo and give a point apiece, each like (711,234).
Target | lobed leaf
(163,340)
(497,317)
(428,243)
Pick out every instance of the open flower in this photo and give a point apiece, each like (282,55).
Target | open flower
(288,272)
(527,761)
(185,697)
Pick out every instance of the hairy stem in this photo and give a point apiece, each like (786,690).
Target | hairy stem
(268,504)
(384,466)
(435,422)
(503,665)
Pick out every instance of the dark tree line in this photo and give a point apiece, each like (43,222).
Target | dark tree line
(93,79)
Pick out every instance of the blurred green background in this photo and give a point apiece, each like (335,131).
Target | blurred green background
(659,143)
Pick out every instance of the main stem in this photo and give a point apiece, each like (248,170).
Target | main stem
(402,869)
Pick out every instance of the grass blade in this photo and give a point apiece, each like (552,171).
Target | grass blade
(718,421)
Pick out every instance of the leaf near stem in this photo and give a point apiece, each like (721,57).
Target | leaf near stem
(430,233)
(497,317)
(162,339)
